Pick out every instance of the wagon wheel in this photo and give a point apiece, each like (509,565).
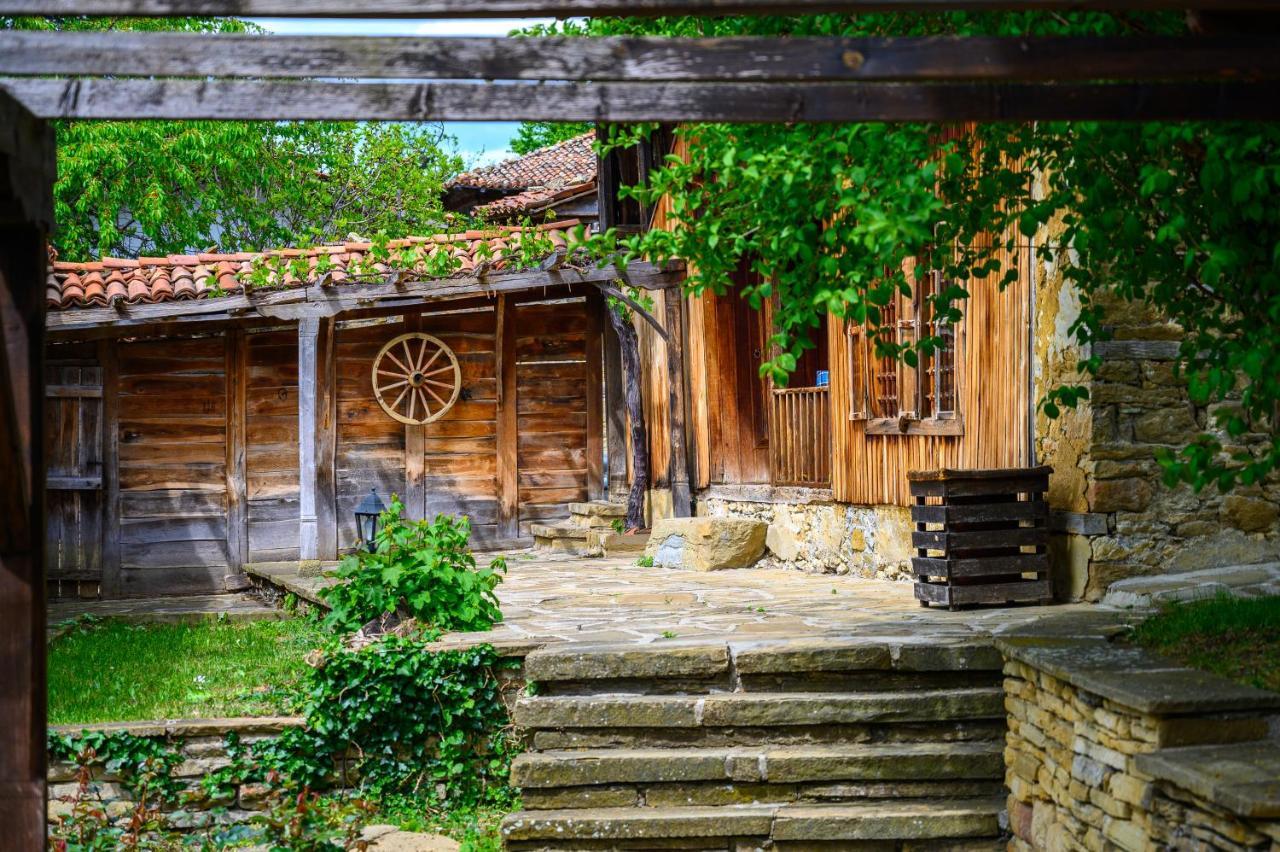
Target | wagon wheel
(416,378)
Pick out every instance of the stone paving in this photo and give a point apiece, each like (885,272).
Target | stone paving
(169,610)
(550,597)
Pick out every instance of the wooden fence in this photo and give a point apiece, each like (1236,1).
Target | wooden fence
(800,437)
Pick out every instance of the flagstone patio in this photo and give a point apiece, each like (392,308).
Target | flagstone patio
(550,597)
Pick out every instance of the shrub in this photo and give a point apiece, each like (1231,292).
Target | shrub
(419,569)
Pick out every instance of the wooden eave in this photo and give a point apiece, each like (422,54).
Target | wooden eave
(318,301)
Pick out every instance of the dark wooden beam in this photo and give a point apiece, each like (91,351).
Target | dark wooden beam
(138,54)
(678,472)
(26,218)
(636,102)
(108,357)
(569,8)
(326,429)
(595,395)
(237,369)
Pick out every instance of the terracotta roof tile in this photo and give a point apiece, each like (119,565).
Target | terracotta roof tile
(149,280)
(568,162)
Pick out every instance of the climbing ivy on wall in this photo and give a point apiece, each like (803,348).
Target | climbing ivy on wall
(1180,217)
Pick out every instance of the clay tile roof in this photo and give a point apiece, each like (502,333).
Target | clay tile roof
(549,174)
(177,277)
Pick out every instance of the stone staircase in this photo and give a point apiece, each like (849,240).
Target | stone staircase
(875,744)
(589,532)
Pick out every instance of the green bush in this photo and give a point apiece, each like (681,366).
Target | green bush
(419,569)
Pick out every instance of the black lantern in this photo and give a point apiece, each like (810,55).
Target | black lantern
(367,519)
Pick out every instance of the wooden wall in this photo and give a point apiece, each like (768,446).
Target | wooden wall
(370,449)
(553,392)
(459,451)
(172,406)
(194,501)
(993,374)
(271,444)
(73,459)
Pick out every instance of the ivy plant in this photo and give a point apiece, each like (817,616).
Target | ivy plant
(418,569)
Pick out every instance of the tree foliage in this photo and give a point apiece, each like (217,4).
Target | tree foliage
(532,135)
(1180,217)
(131,188)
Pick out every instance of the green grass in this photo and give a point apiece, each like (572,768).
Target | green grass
(1238,638)
(121,672)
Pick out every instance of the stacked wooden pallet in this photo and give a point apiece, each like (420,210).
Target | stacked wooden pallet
(981,536)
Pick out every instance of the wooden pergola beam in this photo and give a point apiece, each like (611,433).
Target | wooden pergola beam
(636,102)
(571,8)
(314,302)
(758,59)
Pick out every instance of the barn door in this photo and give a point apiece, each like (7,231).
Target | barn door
(73,486)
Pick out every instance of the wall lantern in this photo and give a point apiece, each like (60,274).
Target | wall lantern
(367,519)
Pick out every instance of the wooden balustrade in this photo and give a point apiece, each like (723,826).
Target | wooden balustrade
(800,437)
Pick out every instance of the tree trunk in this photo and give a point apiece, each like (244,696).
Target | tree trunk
(630,350)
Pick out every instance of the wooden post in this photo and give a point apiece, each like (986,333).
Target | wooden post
(415,450)
(108,357)
(595,395)
(508,459)
(237,484)
(308,340)
(26,215)
(681,497)
(326,432)
(615,412)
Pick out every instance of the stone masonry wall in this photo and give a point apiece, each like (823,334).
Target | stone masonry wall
(825,537)
(201,743)
(1075,765)
(1124,521)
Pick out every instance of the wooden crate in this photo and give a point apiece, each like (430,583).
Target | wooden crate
(980,536)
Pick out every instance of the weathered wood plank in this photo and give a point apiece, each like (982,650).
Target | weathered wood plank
(111,504)
(138,54)
(678,472)
(595,308)
(569,8)
(97,98)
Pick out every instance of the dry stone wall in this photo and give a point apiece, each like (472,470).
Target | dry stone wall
(1126,521)
(1093,733)
(202,745)
(813,533)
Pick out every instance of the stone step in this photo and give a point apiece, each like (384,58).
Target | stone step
(633,828)
(716,660)
(767,709)
(559,538)
(773,765)
(598,509)
(606,542)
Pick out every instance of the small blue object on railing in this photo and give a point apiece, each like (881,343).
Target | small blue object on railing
(824,378)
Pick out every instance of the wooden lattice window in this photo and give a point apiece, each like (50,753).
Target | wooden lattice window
(895,398)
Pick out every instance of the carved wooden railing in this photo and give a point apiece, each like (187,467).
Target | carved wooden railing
(800,437)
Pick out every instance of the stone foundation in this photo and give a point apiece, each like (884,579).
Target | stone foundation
(1105,745)
(811,532)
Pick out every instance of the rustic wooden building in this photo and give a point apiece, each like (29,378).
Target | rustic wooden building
(558,182)
(198,421)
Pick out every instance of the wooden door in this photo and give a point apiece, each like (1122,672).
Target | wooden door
(73,486)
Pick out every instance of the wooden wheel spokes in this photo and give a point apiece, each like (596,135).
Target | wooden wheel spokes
(416,378)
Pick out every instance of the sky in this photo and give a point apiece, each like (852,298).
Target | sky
(479,142)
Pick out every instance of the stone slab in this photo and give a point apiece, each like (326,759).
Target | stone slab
(768,709)
(191,609)
(1146,592)
(893,820)
(667,660)
(183,728)
(1243,778)
(605,824)
(637,711)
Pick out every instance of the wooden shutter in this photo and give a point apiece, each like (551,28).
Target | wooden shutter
(859,401)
